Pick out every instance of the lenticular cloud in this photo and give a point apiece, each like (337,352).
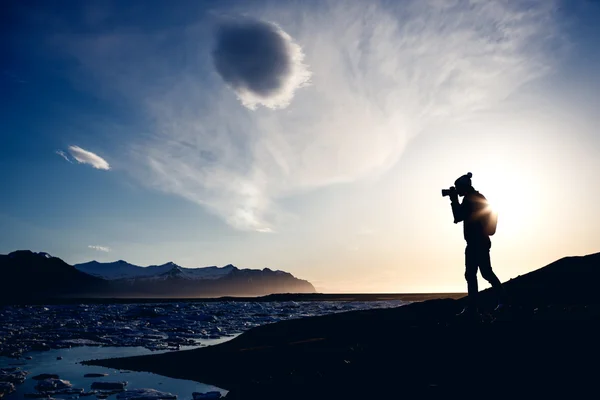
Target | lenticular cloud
(260,62)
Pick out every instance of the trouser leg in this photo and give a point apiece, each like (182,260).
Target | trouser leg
(471,264)
(485,266)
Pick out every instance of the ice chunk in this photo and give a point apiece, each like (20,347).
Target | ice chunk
(52,385)
(12,375)
(109,385)
(80,342)
(76,391)
(145,394)
(206,396)
(6,388)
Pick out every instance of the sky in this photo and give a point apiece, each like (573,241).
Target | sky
(308,136)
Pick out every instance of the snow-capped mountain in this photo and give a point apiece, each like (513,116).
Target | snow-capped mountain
(118,270)
(194,273)
(26,275)
(124,270)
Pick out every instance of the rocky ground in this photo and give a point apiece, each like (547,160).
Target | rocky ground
(545,344)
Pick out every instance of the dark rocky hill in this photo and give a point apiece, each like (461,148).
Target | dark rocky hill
(28,275)
(544,345)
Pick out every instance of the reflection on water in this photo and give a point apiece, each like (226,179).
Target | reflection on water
(68,368)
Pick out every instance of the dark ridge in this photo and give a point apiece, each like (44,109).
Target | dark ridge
(544,345)
(28,275)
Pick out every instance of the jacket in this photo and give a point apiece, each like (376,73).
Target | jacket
(473,212)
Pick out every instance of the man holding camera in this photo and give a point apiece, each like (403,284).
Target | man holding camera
(479,223)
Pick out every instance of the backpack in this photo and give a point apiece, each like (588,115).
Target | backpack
(486,215)
(490,222)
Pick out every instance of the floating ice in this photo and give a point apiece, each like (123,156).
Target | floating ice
(109,385)
(6,388)
(145,394)
(51,384)
(155,326)
(206,396)
(12,375)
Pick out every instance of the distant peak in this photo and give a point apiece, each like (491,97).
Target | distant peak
(21,253)
(170,264)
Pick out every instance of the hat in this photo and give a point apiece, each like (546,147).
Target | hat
(464,181)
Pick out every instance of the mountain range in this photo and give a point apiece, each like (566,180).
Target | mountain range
(26,275)
(124,270)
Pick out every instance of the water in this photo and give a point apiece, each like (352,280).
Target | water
(121,330)
(69,369)
(155,326)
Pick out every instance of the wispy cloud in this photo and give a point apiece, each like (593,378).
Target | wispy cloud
(87,157)
(100,248)
(63,155)
(380,73)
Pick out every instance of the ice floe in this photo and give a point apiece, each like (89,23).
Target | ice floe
(155,326)
(213,395)
(109,385)
(145,394)
(52,384)
(6,388)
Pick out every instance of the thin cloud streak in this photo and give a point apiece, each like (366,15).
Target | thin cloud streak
(100,248)
(380,74)
(87,157)
(63,155)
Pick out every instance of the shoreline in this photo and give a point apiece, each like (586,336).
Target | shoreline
(419,349)
(298,297)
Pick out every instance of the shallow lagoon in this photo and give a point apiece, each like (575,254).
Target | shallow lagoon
(68,368)
(120,330)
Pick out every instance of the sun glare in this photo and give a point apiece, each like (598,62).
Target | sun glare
(512,199)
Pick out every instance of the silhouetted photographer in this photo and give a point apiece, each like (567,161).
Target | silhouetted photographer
(479,223)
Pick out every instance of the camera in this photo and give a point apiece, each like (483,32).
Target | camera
(449,191)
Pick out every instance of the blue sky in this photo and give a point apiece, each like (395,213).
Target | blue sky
(142,131)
